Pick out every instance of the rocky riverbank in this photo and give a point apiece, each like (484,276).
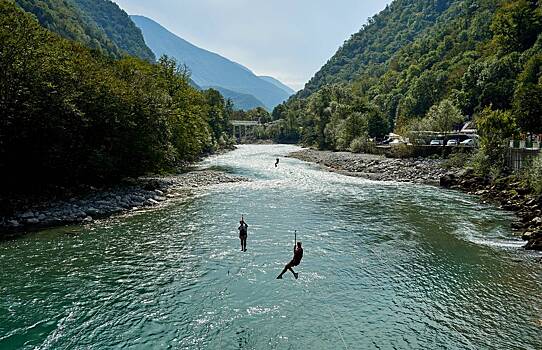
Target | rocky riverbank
(134,194)
(374,167)
(511,194)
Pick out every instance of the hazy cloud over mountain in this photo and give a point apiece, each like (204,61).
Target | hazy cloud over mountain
(289,40)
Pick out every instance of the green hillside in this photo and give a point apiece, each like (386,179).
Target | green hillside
(66,19)
(453,58)
(97,24)
(396,26)
(118,27)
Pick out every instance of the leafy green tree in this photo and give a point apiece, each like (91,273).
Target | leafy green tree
(377,124)
(260,115)
(517,24)
(443,117)
(495,128)
(528,96)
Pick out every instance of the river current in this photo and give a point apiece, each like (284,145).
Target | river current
(386,266)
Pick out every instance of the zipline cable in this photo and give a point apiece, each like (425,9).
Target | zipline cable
(337,327)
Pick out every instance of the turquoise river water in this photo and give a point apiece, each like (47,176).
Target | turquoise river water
(386,266)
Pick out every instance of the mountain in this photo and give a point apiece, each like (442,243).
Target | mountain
(98,24)
(240,101)
(118,27)
(66,19)
(208,68)
(278,84)
(420,60)
(384,34)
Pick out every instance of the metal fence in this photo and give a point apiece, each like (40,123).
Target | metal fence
(518,158)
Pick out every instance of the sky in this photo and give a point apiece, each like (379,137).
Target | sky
(286,39)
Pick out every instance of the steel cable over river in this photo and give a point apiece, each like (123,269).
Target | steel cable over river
(386,266)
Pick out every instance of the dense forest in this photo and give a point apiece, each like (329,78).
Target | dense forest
(74,115)
(427,65)
(100,25)
(118,26)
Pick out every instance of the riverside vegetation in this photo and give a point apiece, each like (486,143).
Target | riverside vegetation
(72,115)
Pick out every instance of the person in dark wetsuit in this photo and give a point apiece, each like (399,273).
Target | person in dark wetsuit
(296,260)
(243,233)
(277,163)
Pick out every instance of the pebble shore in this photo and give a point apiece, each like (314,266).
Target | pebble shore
(136,194)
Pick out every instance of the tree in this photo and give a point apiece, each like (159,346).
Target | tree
(528,96)
(377,124)
(517,25)
(495,128)
(443,117)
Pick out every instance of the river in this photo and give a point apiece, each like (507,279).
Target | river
(386,266)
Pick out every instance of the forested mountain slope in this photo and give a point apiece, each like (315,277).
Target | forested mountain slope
(384,34)
(66,19)
(97,24)
(208,68)
(118,27)
(475,55)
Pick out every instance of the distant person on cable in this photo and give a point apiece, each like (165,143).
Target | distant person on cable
(277,163)
(243,233)
(296,260)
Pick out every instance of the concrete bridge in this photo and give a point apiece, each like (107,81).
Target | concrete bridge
(243,128)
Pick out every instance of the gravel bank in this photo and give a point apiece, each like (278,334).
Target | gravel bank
(133,195)
(426,171)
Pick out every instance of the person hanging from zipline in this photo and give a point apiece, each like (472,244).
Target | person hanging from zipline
(296,260)
(243,233)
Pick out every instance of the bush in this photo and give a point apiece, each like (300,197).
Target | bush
(362,145)
(457,160)
(533,175)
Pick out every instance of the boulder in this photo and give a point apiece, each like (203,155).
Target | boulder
(534,244)
(152,185)
(92,211)
(27,215)
(151,202)
(13,223)
(447,180)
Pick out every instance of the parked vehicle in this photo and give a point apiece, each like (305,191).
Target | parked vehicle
(436,143)
(452,142)
(467,143)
